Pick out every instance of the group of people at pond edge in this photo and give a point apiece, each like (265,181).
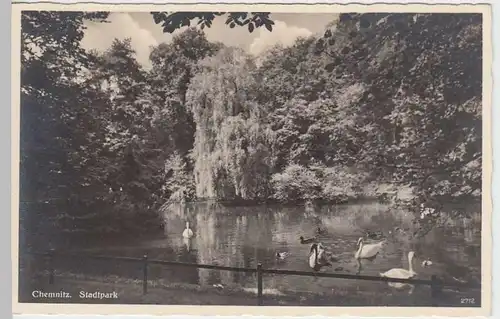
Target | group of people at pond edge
(320,257)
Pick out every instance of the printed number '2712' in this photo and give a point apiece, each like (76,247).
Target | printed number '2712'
(467,301)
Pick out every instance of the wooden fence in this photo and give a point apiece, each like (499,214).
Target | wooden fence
(435,283)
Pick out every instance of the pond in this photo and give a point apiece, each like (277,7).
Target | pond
(245,236)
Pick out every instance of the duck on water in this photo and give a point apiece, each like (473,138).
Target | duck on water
(282,255)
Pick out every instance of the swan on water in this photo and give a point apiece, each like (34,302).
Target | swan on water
(317,258)
(187,233)
(369,251)
(401,273)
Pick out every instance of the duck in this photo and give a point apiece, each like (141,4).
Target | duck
(316,257)
(282,255)
(369,251)
(307,241)
(401,273)
(218,286)
(426,263)
(187,233)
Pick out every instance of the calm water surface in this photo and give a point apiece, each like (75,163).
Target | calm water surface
(245,236)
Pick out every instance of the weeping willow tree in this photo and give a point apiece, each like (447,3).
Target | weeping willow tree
(231,156)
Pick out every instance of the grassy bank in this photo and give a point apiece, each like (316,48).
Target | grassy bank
(130,291)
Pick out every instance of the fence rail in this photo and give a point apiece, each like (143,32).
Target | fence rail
(435,283)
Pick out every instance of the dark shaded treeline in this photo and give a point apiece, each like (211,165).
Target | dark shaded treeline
(380,102)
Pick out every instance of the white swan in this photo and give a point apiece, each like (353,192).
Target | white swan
(401,273)
(316,257)
(187,233)
(369,251)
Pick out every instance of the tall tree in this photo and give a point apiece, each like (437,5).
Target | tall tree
(173,68)
(51,62)
(423,99)
(231,148)
(133,164)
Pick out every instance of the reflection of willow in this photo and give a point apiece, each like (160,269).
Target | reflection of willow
(219,242)
(174,210)
(216,245)
(259,235)
(238,239)
(187,243)
(281,231)
(206,242)
(309,210)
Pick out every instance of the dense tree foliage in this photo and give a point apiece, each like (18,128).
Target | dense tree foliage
(172,21)
(379,99)
(231,149)
(425,130)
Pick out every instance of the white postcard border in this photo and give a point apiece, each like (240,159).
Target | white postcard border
(485,310)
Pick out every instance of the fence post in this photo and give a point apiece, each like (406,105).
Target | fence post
(259,284)
(51,266)
(145,274)
(436,289)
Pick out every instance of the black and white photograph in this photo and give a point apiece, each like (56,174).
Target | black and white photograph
(253,155)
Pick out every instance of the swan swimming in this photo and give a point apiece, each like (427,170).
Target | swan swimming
(316,257)
(401,273)
(369,251)
(187,233)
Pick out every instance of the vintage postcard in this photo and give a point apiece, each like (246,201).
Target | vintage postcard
(275,160)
